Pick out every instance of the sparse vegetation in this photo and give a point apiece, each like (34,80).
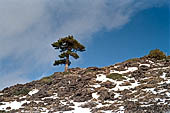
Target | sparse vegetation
(66,73)
(23,91)
(168,57)
(116,76)
(47,79)
(157,54)
(132,60)
(89,70)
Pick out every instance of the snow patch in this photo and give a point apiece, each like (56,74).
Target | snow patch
(163,75)
(13,105)
(129,69)
(34,91)
(161,68)
(96,85)
(101,78)
(150,90)
(95,95)
(148,65)
(55,96)
(78,109)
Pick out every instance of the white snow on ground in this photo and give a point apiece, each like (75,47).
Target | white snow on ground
(121,109)
(34,91)
(101,105)
(168,94)
(106,111)
(55,96)
(120,88)
(129,69)
(167,81)
(1,94)
(78,109)
(96,85)
(103,78)
(22,97)
(148,65)
(163,75)
(116,66)
(117,95)
(150,90)
(95,95)
(13,105)
(150,61)
(161,68)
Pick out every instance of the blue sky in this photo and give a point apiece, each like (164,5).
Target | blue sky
(112,31)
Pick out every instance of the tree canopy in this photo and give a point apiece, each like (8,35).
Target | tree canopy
(68,46)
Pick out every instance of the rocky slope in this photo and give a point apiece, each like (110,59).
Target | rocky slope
(140,85)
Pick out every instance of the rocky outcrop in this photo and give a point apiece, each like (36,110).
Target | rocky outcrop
(145,88)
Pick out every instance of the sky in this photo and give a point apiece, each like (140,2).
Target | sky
(111,30)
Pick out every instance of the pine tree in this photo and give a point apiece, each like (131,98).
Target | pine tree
(68,46)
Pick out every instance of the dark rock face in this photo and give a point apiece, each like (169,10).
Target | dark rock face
(145,90)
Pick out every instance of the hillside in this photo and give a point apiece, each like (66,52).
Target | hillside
(140,85)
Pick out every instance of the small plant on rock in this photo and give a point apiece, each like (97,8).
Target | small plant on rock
(116,76)
(23,91)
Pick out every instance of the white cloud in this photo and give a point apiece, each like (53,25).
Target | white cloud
(12,78)
(28,27)
(17,15)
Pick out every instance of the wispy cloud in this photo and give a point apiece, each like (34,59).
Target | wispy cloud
(28,27)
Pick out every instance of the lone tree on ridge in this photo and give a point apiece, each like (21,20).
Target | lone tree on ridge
(68,46)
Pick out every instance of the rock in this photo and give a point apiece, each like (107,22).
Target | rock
(8,108)
(108,84)
(82,95)
(125,84)
(105,95)
(64,108)
(89,105)
(59,91)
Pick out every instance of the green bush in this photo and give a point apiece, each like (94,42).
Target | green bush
(132,60)
(157,54)
(66,73)
(116,76)
(23,91)
(46,79)
(168,57)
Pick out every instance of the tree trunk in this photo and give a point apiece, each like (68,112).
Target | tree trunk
(67,63)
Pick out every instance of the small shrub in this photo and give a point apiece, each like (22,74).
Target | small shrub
(46,79)
(157,54)
(168,57)
(23,91)
(116,76)
(66,73)
(132,60)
